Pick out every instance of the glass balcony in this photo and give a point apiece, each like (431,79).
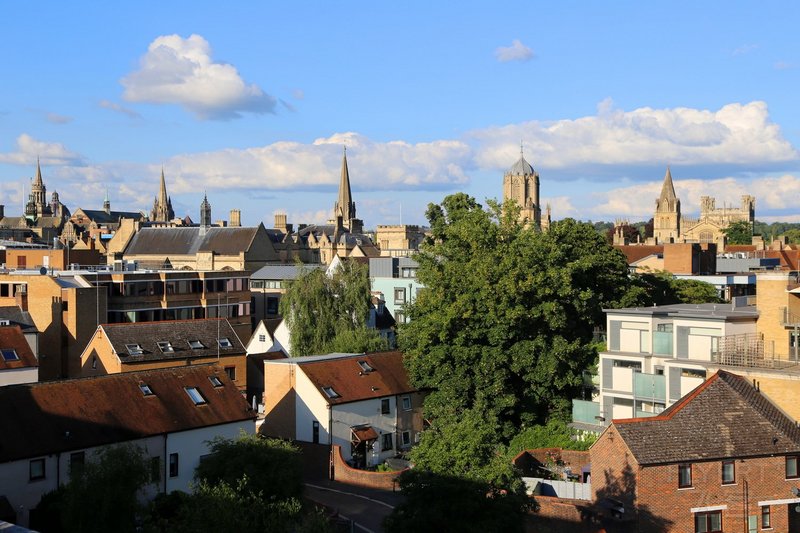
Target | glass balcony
(585,411)
(662,343)
(650,386)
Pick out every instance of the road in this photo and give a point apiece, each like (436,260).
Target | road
(367,509)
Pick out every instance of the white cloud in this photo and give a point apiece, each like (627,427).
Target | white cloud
(181,71)
(114,106)
(49,153)
(394,165)
(516,52)
(736,134)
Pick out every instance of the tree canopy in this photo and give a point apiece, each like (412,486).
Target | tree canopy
(740,232)
(325,312)
(662,288)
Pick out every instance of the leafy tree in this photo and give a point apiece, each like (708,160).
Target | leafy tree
(504,323)
(556,434)
(792,235)
(662,288)
(318,307)
(692,291)
(357,340)
(739,232)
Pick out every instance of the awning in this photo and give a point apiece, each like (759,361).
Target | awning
(363,433)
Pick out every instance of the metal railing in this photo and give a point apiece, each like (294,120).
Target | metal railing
(747,350)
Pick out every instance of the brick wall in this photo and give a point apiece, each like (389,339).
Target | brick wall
(364,478)
(557,515)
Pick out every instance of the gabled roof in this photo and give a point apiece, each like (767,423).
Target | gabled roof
(100,216)
(44,418)
(348,379)
(725,417)
(17,316)
(171,241)
(179,333)
(12,338)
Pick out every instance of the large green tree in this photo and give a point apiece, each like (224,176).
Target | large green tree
(504,324)
(740,232)
(663,288)
(330,312)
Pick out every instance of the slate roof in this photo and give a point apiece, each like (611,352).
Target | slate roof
(17,316)
(178,333)
(346,377)
(283,272)
(725,417)
(101,217)
(12,338)
(45,418)
(188,241)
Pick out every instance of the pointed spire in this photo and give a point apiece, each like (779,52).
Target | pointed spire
(345,207)
(667,189)
(162,194)
(38,180)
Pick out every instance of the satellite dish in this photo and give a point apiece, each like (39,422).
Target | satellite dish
(43,271)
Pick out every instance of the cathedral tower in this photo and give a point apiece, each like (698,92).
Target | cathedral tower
(667,219)
(162,205)
(521,184)
(37,199)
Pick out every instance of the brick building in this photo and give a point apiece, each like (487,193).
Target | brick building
(724,458)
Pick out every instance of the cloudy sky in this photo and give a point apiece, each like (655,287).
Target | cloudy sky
(253,103)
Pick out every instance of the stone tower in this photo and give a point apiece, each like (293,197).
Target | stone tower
(107,204)
(162,205)
(667,219)
(205,212)
(37,205)
(345,208)
(521,184)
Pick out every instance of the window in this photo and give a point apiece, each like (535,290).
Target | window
(146,390)
(166,347)
(329,392)
(406,438)
(231,371)
(215,381)
(94,362)
(406,403)
(728,472)
(385,407)
(399,317)
(9,355)
(708,522)
(791,467)
(134,349)
(766,519)
(225,342)
(399,295)
(684,476)
(262,338)
(365,367)
(196,345)
(76,462)
(36,469)
(386,442)
(195,395)
(173,465)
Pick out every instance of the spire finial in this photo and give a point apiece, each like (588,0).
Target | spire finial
(520,148)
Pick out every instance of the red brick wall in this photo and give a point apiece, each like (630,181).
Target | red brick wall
(615,471)
(556,515)
(365,478)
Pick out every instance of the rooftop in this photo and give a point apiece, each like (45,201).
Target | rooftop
(707,311)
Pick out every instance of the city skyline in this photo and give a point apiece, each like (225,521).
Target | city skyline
(254,105)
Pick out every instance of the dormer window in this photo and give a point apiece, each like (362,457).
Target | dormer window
(196,345)
(225,342)
(329,392)
(134,349)
(166,347)
(215,381)
(9,354)
(146,390)
(195,395)
(365,367)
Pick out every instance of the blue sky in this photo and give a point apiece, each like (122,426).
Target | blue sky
(252,102)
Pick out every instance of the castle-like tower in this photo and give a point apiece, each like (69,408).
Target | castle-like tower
(162,205)
(37,205)
(667,219)
(205,212)
(521,184)
(345,208)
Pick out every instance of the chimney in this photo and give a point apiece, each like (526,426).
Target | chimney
(2,211)
(280,222)
(236,218)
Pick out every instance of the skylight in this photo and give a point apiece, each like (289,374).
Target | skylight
(196,345)
(330,392)
(365,366)
(225,342)
(9,354)
(215,381)
(134,349)
(166,347)
(195,395)
(146,390)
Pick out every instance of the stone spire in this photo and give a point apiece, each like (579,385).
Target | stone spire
(667,189)
(345,207)
(37,199)
(205,212)
(162,206)
(667,218)
(107,203)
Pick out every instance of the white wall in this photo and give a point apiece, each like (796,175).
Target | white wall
(13,376)
(310,406)
(282,339)
(366,412)
(256,346)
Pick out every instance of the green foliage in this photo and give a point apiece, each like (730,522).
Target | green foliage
(556,434)
(792,235)
(272,467)
(318,307)
(740,232)
(771,231)
(102,495)
(436,502)
(504,323)
(357,340)
(662,288)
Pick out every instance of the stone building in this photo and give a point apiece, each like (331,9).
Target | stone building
(162,205)
(521,184)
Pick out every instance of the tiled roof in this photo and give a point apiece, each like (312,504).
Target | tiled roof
(725,417)
(635,252)
(178,333)
(351,383)
(17,316)
(188,241)
(12,338)
(45,418)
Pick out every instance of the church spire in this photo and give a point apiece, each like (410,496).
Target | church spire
(38,180)
(162,205)
(162,194)
(345,207)
(667,189)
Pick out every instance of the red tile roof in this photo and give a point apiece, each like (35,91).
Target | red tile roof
(346,377)
(45,418)
(635,252)
(12,338)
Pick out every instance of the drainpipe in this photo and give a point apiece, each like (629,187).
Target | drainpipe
(166,464)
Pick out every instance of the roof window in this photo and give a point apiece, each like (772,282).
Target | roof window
(9,354)
(225,342)
(195,395)
(196,345)
(166,347)
(329,392)
(134,349)
(365,367)
(215,381)
(146,390)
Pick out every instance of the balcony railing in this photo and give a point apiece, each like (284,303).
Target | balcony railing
(650,386)
(586,412)
(790,319)
(748,350)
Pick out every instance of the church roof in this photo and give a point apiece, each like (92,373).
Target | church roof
(189,241)
(100,216)
(667,189)
(521,166)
